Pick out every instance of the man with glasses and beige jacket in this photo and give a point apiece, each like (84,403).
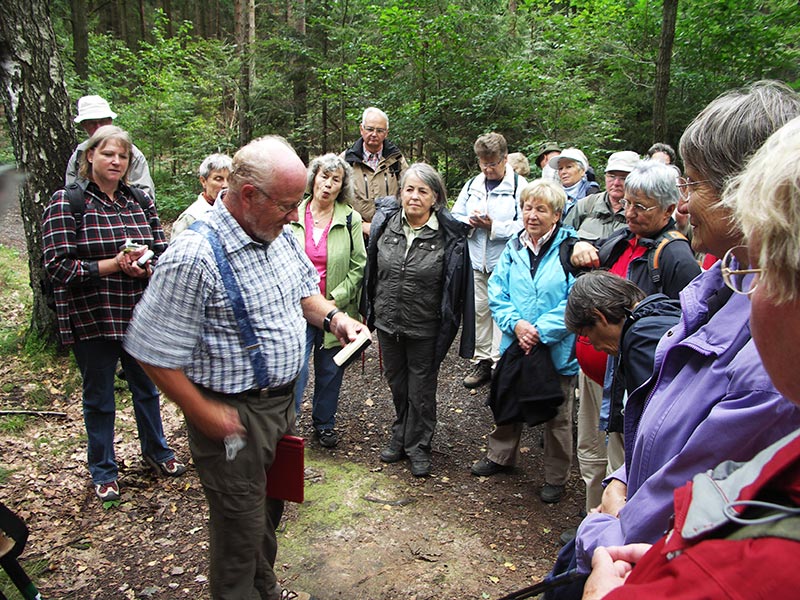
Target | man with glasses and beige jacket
(377,165)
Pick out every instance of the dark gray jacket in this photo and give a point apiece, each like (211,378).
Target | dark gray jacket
(641,332)
(427,292)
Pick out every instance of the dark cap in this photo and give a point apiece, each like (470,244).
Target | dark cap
(544,148)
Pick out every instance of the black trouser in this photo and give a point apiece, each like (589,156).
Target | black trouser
(412,373)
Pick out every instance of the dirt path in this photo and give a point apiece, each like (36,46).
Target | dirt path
(366,531)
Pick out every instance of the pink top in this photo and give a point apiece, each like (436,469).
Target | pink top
(317,251)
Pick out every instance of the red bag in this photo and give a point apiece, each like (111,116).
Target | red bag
(286,476)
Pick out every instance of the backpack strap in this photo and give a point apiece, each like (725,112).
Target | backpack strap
(76,196)
(653,257)
(77,202)
(349,232)
(516,204)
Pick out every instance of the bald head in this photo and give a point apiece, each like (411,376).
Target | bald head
(267,183)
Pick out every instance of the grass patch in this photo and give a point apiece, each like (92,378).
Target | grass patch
(4,474)
(334,500)
(33,568)
(13,423)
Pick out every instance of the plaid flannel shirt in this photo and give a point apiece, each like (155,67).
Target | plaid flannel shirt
(185,320)
(89,306)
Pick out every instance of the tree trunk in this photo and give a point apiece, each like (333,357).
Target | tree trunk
(168,15)
(245,19)
(661,88)
(80,38)
(39,120)
(142,22)
(296,16)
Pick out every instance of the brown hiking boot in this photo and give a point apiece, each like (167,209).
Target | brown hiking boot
(480,373)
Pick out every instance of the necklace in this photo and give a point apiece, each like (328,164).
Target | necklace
(322,217)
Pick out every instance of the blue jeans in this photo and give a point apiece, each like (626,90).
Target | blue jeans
(327,381)
(97,361)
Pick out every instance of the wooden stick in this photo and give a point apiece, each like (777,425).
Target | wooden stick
(36,413)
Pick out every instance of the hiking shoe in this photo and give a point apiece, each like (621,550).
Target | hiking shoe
(328,438)
(290,595)
(568,535)
(420,467)
(171,467)
(486,467)
(480,373)
(390,455)
(107,492)
(551,494)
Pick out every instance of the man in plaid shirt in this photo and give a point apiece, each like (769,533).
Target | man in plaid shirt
(185,335)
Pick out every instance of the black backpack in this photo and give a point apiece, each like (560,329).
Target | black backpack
(77,206)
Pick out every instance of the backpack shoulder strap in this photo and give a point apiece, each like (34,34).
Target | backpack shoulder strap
(77,202)
(349,230)
(653,257)
(516,204)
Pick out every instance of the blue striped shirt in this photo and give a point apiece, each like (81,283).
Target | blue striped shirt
(185,320)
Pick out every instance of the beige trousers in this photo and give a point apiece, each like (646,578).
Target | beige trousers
(599,453)
(487,334)
(504,439)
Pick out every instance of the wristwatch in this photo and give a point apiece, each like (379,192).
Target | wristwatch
(326,324)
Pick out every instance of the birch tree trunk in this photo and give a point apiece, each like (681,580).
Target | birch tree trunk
(37,108)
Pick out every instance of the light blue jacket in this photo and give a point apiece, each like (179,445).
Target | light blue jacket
(502,205)
(513,296)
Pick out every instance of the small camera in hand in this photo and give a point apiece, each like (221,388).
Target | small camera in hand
(144,258)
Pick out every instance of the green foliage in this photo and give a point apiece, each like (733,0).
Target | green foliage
(4,473)
(580,72)
(174,95)
(13,423)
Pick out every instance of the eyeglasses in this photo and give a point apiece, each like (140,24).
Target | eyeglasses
(636,207)
(685,187)
(284,208)
(621,178)
(378,130)
(741,281)
(491,165)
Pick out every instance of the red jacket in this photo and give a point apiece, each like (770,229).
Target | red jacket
(693,561)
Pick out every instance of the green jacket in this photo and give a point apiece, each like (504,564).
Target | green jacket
(346,260)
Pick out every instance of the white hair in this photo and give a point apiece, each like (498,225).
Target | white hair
(765,199)
(374,110)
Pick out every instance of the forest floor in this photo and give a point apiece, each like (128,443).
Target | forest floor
(366,531)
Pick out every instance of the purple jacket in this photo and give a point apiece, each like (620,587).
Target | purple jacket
(711,401)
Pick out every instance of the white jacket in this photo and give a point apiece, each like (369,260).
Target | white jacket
(502,205)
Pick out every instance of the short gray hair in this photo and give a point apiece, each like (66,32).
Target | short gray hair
(547,190)
(727,132)
(519,162)
(611,295)
(214,162)
(328,163)
(654,180)
(666,149)
(373,109)
(430,177)
(491,144)
(766,201)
